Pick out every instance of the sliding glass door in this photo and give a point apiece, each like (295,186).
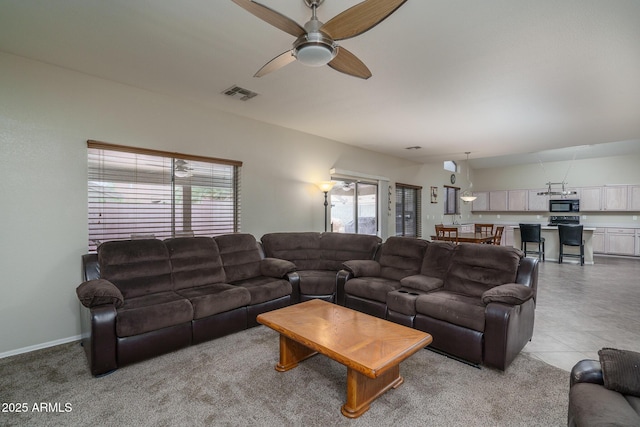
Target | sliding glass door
(354,207)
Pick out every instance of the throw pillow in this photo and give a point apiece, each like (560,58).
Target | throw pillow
(99,292)
(621,370)
(511,293)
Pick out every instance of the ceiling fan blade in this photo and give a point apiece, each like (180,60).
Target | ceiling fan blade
(276,63)
(346,62)
(272,17)
(360,18)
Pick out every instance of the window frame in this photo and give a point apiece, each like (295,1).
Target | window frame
(451,197)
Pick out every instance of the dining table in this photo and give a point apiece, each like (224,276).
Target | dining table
(470,238)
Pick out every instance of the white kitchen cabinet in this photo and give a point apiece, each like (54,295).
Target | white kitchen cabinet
(634,198)
(598,241)
(507,236)
(590,198)
(498,200)
(621,241)
(537,203)
(517,200)
(616,197)
(481,203)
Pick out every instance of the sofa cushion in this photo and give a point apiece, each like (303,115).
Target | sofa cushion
(373,288)
(401,257)
(437,259)
(421,282)
(217,298)
(511,293)
(451,307)
(136,267)
(476,268)
(301,248)
(621,370)
(195,261)
(263,289)
(317,282)
(336,248)
(240,256)
(99,292)
(152,312)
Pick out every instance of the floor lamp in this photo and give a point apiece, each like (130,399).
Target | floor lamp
(325,187)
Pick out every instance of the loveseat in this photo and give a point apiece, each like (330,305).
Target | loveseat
(142,298)
(477,301)
(318,258)
(605,391)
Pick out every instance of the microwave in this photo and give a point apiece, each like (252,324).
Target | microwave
(564,205)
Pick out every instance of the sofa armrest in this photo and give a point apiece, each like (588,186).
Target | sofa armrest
(294,279)
(586,371)
(362,267)
(97,292)
(99,340)
(508,328)
(510,293)
(275,267)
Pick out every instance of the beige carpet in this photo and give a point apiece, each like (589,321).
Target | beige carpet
(232,381)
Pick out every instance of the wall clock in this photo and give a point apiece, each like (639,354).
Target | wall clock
(453,178)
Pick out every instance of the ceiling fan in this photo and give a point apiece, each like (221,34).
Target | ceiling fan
(315,43)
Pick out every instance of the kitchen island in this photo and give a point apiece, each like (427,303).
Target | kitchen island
(552,244)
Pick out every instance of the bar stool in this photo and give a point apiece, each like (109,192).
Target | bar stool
(570,235)
(532,233)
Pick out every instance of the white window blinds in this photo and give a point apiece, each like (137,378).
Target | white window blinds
(138,193)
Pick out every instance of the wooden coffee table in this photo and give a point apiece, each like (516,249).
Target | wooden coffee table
(370,348)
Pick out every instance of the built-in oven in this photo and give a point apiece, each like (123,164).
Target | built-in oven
(564,205)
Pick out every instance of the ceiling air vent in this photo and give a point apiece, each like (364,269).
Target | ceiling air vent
(239,93)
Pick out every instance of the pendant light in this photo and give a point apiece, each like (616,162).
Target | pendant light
(466,195)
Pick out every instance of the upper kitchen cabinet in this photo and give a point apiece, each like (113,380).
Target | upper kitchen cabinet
(536,202)
(517,200)
(481,203)
(590,198)
(616,197)
(498,200)
(634,198)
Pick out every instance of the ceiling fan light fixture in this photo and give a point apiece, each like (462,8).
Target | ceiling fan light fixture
(315,50)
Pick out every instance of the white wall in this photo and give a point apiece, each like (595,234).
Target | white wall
(46,116)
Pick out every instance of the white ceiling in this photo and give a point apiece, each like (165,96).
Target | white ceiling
(500,78)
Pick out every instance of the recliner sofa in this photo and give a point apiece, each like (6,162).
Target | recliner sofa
(477,301)
(142,298)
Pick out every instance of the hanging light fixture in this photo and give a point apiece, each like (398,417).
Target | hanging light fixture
(466,195)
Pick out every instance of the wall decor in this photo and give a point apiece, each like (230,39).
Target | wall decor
(434,194)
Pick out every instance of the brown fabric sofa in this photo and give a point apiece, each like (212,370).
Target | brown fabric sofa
(477,301)
(605,392)
(142,298)
(318,257)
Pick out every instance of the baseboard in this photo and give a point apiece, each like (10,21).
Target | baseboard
(40,346)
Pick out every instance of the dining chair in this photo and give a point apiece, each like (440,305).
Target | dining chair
(484,228)
(438,226)
(448,233)
(497,238)
(570,235)
(532,233)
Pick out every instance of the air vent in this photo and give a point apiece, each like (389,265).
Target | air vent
(239,93)
(415,147)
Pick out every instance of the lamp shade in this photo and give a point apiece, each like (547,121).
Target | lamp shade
(325,186)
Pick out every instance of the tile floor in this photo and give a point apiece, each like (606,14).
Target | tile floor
(581,309)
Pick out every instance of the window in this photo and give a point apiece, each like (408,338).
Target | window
(354,207)
(135,193)
(451,166)
(408,210)
(451,203)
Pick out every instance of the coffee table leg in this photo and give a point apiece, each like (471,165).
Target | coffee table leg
(291,353)
(362,390)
